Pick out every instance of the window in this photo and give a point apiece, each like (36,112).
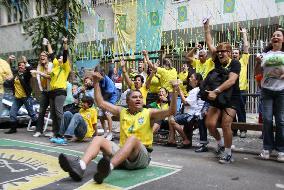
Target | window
(43,7)
(12,14)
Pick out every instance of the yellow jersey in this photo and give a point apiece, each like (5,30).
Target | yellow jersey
(243,78)
(183,76)
(203,68)
(166,76)
(155,84)
(90,117)
(59,75)
(19,90)
(137,125)
(5,73)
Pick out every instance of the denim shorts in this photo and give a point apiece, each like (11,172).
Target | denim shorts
(142,161)
(183,119)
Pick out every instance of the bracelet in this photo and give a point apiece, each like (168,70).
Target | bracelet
(217,90)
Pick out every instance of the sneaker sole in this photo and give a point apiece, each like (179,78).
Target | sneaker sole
(64,164)
(103,170)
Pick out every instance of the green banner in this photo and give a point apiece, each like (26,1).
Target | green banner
(81,27)
(101,26)
(182,14)
(122,22)
(155,18)
(229,6)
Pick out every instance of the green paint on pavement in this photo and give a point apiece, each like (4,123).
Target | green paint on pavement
(119,178)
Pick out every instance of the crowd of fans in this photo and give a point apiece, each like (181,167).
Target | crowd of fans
(212,94)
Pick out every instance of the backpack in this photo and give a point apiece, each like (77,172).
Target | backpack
(213,80)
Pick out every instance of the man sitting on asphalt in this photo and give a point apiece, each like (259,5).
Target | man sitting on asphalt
(136,137)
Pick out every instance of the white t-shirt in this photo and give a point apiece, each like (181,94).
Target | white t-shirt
(273,70)
(195,104)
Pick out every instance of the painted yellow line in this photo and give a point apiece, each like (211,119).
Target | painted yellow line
(92,185)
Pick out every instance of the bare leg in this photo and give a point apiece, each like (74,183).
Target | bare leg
(179,129)
(227,119)
(129,151)
(109,121)
(211,122)
(171,132)
(98,144)
(156,127)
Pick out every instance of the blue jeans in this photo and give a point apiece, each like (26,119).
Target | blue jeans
(273,105)
(17,104)
(73,124)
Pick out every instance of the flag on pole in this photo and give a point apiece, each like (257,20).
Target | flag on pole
(154,18)
(101,26)
(182,14)
(122,22)
(229,6)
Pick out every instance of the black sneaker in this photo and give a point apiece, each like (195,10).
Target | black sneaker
(202,148)
(11,131)
(103,170)
(226,159)
(72,166)
(220,149)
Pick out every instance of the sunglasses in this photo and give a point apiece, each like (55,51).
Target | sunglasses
(222,51)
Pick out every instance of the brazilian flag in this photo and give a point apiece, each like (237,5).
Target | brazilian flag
(122,22)
(155,18)
(229,6)
(182,14)
(101,26)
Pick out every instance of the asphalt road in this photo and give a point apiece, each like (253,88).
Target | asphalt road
(201,171)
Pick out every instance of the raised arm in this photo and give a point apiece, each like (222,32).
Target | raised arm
(115,110)
(208,38)
(65,49)
(245,40)
(149,79)
(147,60)
(161,114)
(183,99)
(50,51)
(125,74)
(190,55)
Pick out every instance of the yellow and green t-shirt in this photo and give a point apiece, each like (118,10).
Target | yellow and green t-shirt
(59,75)
(5,72)
(203,68)
(183,76)
(166,76)
(143,90)
(137,125)
(243,78)
(19,90)
(90,117)
(155,84)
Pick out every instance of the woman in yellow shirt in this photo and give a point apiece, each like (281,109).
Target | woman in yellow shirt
(136,137)
(58,84)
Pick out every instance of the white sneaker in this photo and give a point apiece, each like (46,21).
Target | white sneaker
(280,157)
(49,134)
(265,154)
(109,136)
(37,134)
